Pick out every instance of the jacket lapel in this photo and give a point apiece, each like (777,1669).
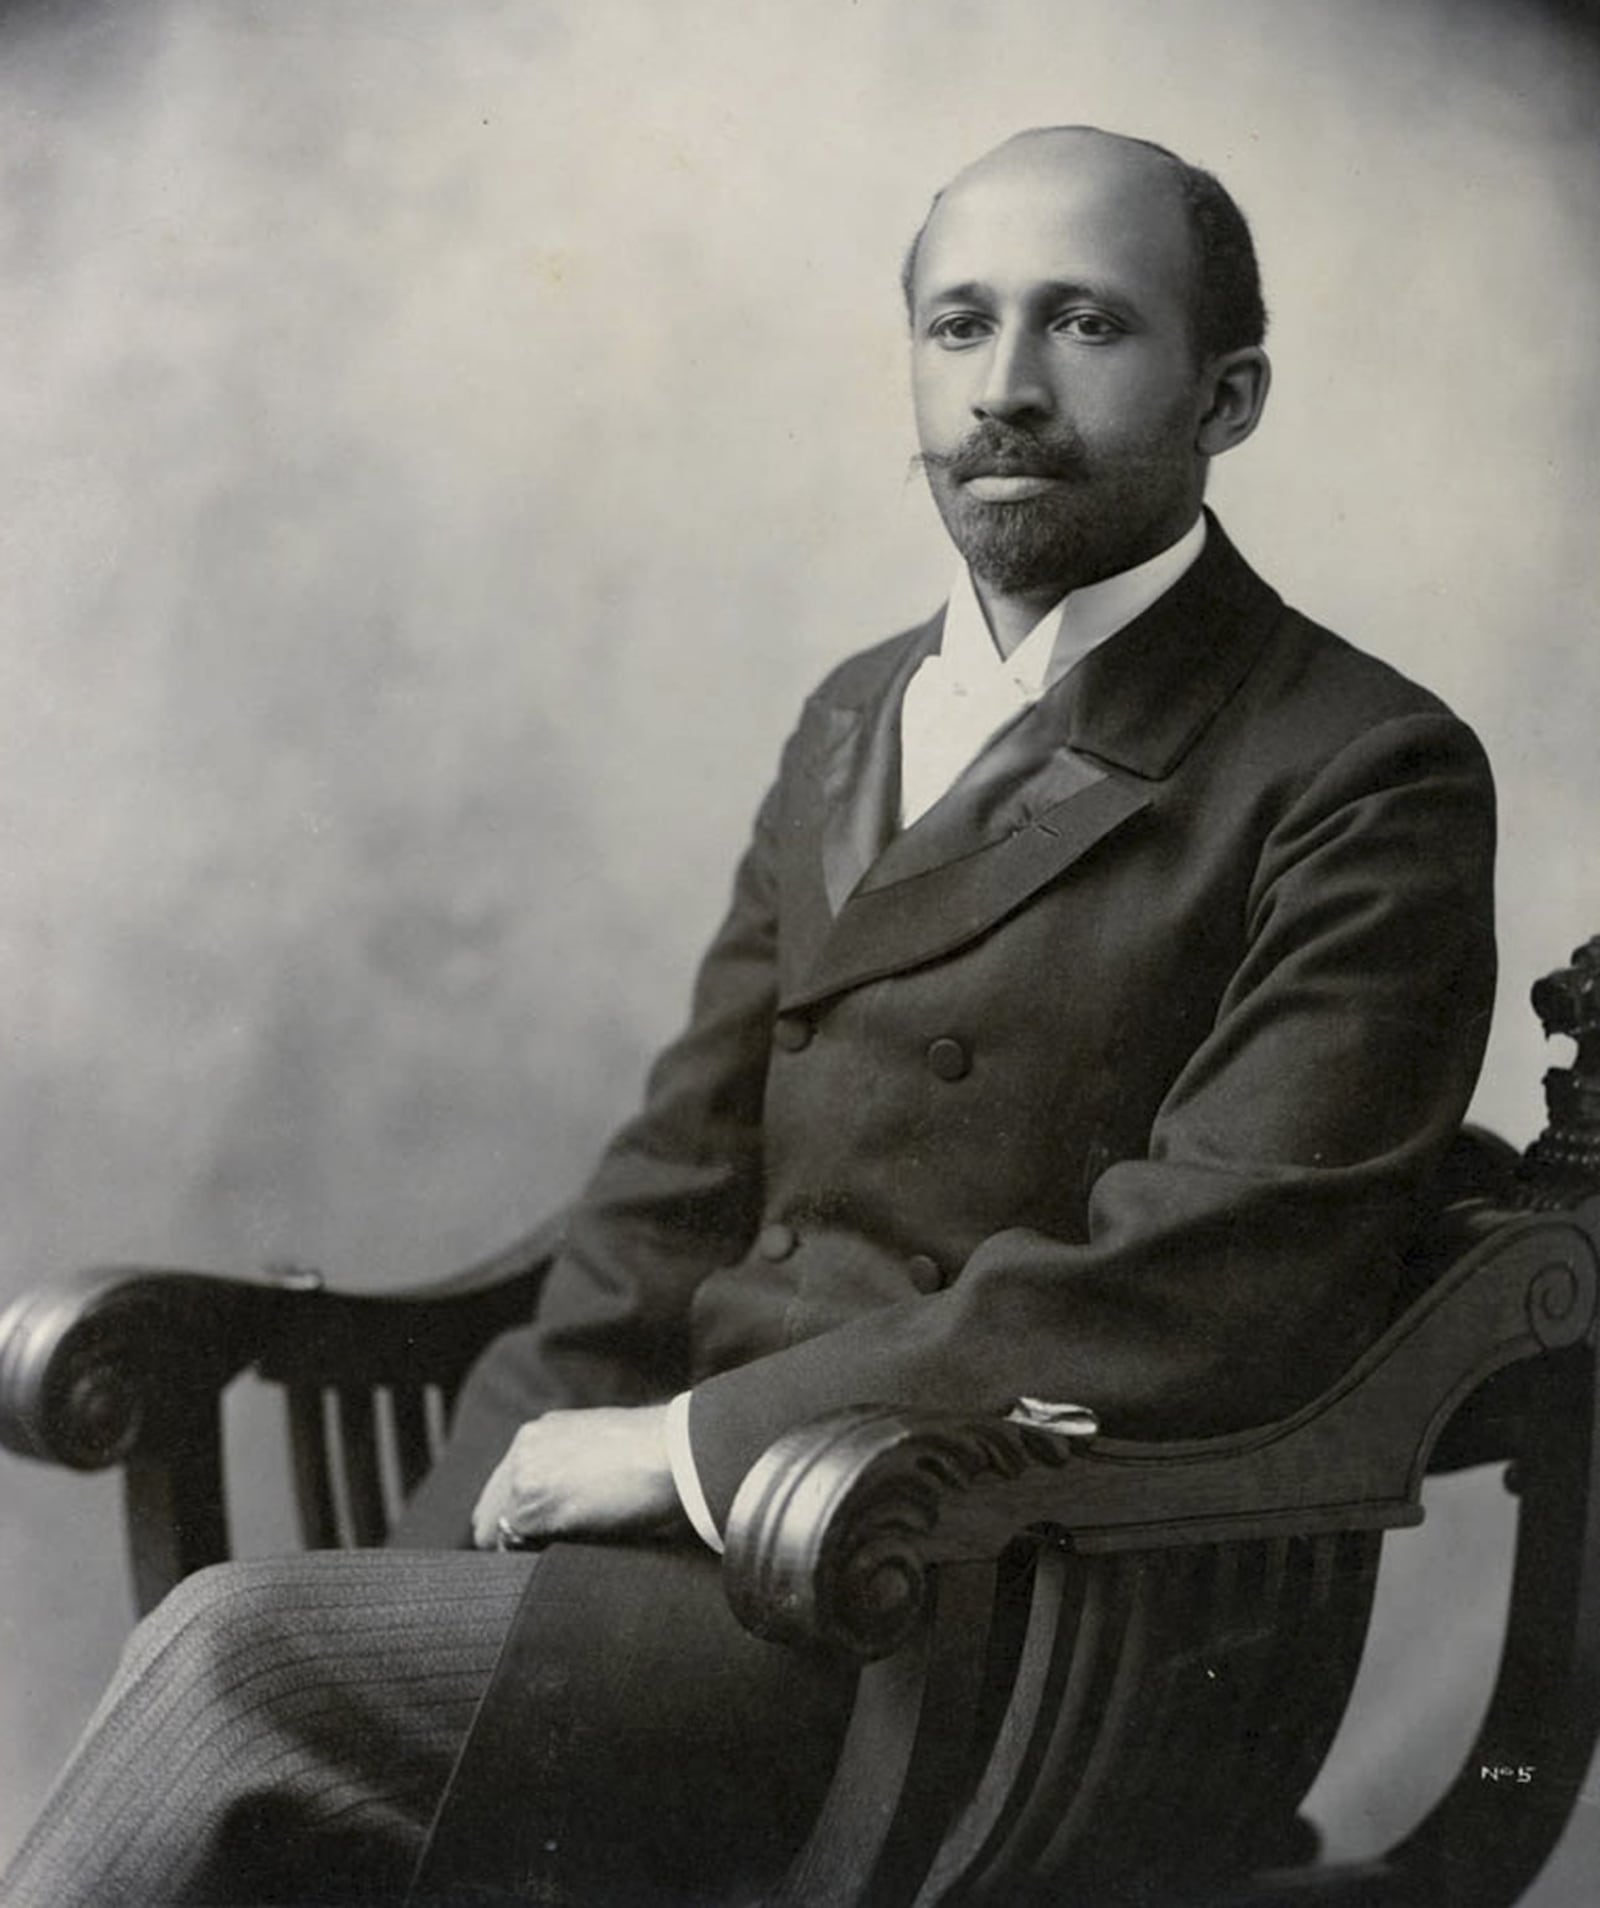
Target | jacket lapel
(1078,765)
(884,928)
(847,788)
(860,776)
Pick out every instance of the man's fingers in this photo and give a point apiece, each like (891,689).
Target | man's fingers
(521,1501)
(597,1473)
(494,1502)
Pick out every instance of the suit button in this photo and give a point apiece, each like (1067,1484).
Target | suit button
(777,1241)
(949,1059)
(925,1273)
(792,1033)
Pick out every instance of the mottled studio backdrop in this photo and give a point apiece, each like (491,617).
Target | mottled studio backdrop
(438,446)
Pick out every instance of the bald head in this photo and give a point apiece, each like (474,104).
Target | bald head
(1045,151)
(1153,186)
(1071,377)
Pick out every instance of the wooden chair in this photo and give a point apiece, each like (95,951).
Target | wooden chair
(1094,1671)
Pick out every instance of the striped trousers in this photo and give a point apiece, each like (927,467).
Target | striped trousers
(278,1732)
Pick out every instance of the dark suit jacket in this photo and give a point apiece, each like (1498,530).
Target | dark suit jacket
(1113,1079)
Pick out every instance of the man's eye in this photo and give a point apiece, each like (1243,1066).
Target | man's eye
(957,328)
(1091,327)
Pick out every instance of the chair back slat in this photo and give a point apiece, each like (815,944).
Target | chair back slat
(360,1471)
(1234,1665)
(1104,1648)
(1052,1587)
(357,1452)
(413,1446)
(1198,1687)
(310,1467)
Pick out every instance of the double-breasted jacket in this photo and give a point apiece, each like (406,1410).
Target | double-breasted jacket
(1113,1079)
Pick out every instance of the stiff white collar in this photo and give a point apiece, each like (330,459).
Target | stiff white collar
(962,696)
(1078,623)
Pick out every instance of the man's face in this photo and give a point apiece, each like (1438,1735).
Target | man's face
(1057,392)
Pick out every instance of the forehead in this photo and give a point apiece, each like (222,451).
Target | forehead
(1074,210)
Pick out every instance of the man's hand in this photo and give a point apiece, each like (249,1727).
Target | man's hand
(597,1473)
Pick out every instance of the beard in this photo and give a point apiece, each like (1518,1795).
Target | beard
(1026,547)
(1092,523)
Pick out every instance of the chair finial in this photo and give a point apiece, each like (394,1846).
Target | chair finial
(1562,1166)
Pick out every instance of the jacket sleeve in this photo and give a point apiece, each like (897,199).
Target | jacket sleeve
(1236,1268)
(676,1194)
(678,1190)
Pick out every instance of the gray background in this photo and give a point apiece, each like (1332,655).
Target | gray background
(438,446)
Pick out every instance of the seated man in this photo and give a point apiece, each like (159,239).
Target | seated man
(1108,972)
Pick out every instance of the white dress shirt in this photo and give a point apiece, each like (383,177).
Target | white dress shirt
(963,695)
(959,700)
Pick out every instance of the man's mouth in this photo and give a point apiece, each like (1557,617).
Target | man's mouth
(1008,487)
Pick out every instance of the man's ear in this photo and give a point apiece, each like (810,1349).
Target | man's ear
(1236,385)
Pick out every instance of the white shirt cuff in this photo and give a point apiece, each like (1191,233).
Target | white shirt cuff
(680,1455)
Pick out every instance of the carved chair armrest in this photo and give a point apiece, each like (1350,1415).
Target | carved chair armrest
(834,1531)
(127,1365)
(111,1361)
(96,1365)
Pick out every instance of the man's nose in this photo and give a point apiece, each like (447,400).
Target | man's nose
(1014,385)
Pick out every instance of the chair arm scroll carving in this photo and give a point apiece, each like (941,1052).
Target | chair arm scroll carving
(831,1536)
(94,1367)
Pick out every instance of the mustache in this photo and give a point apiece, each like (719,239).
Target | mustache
(1001,450)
